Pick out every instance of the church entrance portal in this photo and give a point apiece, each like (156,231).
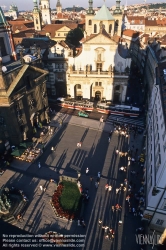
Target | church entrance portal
(97,95)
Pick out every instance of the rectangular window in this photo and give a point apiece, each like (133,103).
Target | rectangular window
(99,66)
(3,48)
(159,222)
(100,84)
(96,83)
(164,206)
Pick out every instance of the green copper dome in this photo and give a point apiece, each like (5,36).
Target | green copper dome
(103,14)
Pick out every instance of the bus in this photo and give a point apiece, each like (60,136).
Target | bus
(122,110)
(73,104)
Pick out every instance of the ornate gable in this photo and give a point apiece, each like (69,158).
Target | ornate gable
(101,39)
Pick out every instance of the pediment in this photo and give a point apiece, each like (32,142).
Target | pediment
(64,28)
(101,39)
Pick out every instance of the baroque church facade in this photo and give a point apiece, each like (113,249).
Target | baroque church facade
(100,69)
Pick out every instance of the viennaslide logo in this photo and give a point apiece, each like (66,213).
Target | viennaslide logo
(147,239)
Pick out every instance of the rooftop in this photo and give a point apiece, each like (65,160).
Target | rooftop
(103,14)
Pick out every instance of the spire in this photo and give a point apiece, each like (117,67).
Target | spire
(35,5)
(118,10)
(90,9)
(58,4)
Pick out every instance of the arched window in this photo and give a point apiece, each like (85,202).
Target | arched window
(90,22)
(37,21)
(110,28)
(95,28)
(117,88)
(44,6)
(116,25)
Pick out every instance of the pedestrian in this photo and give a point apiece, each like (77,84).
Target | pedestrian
(109,188)
(117,190)
(99,174)
(105,228)
(39,165)
(79,223)
(87,171)
(100,221)
(91,178)
(106,187)
(96,184)
(41,187)
(125,182)
(44,189)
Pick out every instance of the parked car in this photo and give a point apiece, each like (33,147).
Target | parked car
(83,114)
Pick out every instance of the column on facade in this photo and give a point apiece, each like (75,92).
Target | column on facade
(108,91)
(86,90)
(71,90)
(123,94)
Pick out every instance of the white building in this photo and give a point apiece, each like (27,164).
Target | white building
(99,68)
(46,11)
(12,12)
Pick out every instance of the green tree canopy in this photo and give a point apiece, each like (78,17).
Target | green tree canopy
(74,36)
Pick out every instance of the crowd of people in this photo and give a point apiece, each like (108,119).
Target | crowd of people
(135,200)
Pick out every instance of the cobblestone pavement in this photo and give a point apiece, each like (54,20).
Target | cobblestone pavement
(96,154)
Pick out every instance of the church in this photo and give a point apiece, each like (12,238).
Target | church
(100,68)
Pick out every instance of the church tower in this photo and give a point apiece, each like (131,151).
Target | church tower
(58,7)
(88,18)
(46,11)
(7,50)
(36,16)
(118,18)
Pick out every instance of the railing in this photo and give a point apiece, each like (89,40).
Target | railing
(98,72)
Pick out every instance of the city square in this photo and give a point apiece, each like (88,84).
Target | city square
(99,156)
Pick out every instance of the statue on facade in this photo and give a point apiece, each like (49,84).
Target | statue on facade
(88,67)
(71,68)
(99,57)
(101,26)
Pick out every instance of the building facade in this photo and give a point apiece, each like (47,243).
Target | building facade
(23,93)
(99,68)
(155,77)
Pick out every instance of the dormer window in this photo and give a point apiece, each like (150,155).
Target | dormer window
(133,21)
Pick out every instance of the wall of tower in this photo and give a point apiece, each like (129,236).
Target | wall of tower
(46,11)
(37,21)
(119,19)
(88,28)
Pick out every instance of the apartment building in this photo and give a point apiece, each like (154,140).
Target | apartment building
(155,175)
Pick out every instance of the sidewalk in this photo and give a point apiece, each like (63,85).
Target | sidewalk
(79,121)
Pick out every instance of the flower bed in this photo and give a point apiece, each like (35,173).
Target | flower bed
(67,200)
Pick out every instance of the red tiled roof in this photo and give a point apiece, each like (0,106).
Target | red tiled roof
(131,33)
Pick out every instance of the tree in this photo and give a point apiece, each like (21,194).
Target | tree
(74,36)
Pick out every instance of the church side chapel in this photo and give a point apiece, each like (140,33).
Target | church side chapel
(101,68)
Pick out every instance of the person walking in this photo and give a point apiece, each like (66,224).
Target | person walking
(100,221)
(39,165)
(106,186)
(87,171)
(91,179)
(41,187)
(109,188)
(99,174)
(96,184)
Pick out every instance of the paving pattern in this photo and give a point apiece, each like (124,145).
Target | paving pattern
(96,154)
